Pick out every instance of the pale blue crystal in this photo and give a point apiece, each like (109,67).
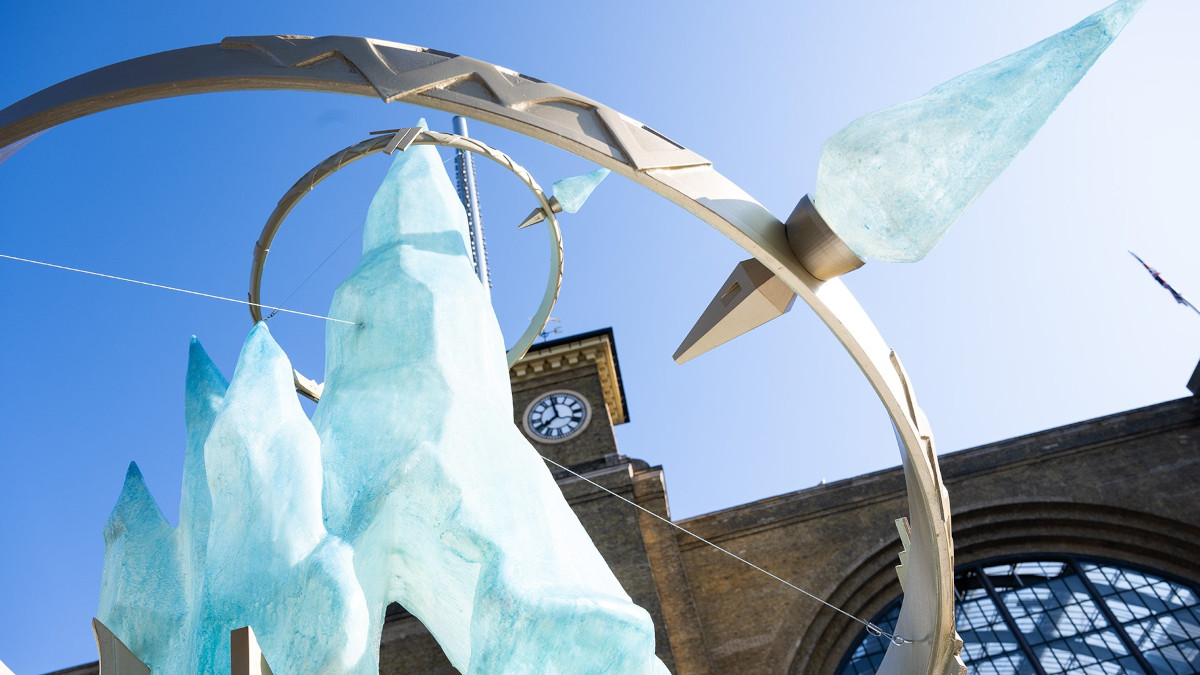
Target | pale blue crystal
(419,489)
(142,589)
(205,393)
(267,560)
(891,183)
(449,508)
(271,565)
(153,573)
(574,191)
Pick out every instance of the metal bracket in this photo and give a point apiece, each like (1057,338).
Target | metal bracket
(401,139)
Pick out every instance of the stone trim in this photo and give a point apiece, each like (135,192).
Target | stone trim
(562,356)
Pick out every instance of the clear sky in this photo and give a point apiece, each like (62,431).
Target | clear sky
(1029,315)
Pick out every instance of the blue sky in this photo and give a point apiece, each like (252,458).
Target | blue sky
(1029,314)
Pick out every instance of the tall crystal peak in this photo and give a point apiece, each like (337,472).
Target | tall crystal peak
(204,393)
(135,510)
(271,565)
(141,593)
(411,206)
(410,485)
(892,183)
(206,386)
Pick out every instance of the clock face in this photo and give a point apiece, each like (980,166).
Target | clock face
(557,416)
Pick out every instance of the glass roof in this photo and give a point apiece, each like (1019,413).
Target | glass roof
(1054,614)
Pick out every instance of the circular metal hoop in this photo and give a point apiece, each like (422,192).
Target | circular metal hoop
(394,72)
(389,143)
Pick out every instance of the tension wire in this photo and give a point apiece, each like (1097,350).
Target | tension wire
(871,628)
(315,270)
(173,288)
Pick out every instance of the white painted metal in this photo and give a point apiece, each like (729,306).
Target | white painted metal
(115,657)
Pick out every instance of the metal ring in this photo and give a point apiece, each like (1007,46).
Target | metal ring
(402,73)
(383,143)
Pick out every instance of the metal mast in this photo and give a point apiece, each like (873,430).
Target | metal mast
(464,172)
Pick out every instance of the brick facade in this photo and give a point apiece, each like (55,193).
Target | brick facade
(1124,487)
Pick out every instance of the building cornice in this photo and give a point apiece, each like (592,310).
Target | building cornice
(578,351)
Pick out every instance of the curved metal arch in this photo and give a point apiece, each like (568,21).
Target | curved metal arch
(466,86)
(388,143)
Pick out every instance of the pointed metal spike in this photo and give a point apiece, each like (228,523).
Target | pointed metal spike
(310,389)
(750,297)
(535,216)
(538,215)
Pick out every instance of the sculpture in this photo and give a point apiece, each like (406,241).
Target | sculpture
(411,484)
(401,72)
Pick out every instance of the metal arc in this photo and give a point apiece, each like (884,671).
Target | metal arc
(384,143)
(489,93)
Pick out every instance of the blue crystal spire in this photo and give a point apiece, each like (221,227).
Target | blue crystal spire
(411,484)
(892,183)
(574,191)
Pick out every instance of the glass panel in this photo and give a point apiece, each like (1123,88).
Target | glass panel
(1052,609)
(1062,621)
(1007,664)
(868,654)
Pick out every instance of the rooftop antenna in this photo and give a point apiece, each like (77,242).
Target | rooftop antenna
(547,331)
(464,173)
(1162,282)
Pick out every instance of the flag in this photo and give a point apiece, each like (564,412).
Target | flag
(1163,282)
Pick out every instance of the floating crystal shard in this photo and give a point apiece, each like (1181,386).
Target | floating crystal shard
(573,192)
(418,489)
(891,183)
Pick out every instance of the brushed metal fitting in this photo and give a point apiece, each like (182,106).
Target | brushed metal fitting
(822,252)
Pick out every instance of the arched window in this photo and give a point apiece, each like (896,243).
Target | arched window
(1062,614)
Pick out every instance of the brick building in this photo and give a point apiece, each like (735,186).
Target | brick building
(1084,539)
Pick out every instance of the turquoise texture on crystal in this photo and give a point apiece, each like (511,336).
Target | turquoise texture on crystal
(892,183)
(411,484)
(574,191)
(252,494)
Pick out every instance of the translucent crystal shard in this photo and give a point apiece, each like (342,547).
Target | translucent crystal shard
(153,573)
(419,489)
(271,565)
(574,191)
(204,394)
(891,183)
(142,598)
(450,510)
(251,548)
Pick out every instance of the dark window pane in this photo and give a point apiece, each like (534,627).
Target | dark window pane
(1061,620)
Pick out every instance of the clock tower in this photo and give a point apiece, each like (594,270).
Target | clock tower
(567,397)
